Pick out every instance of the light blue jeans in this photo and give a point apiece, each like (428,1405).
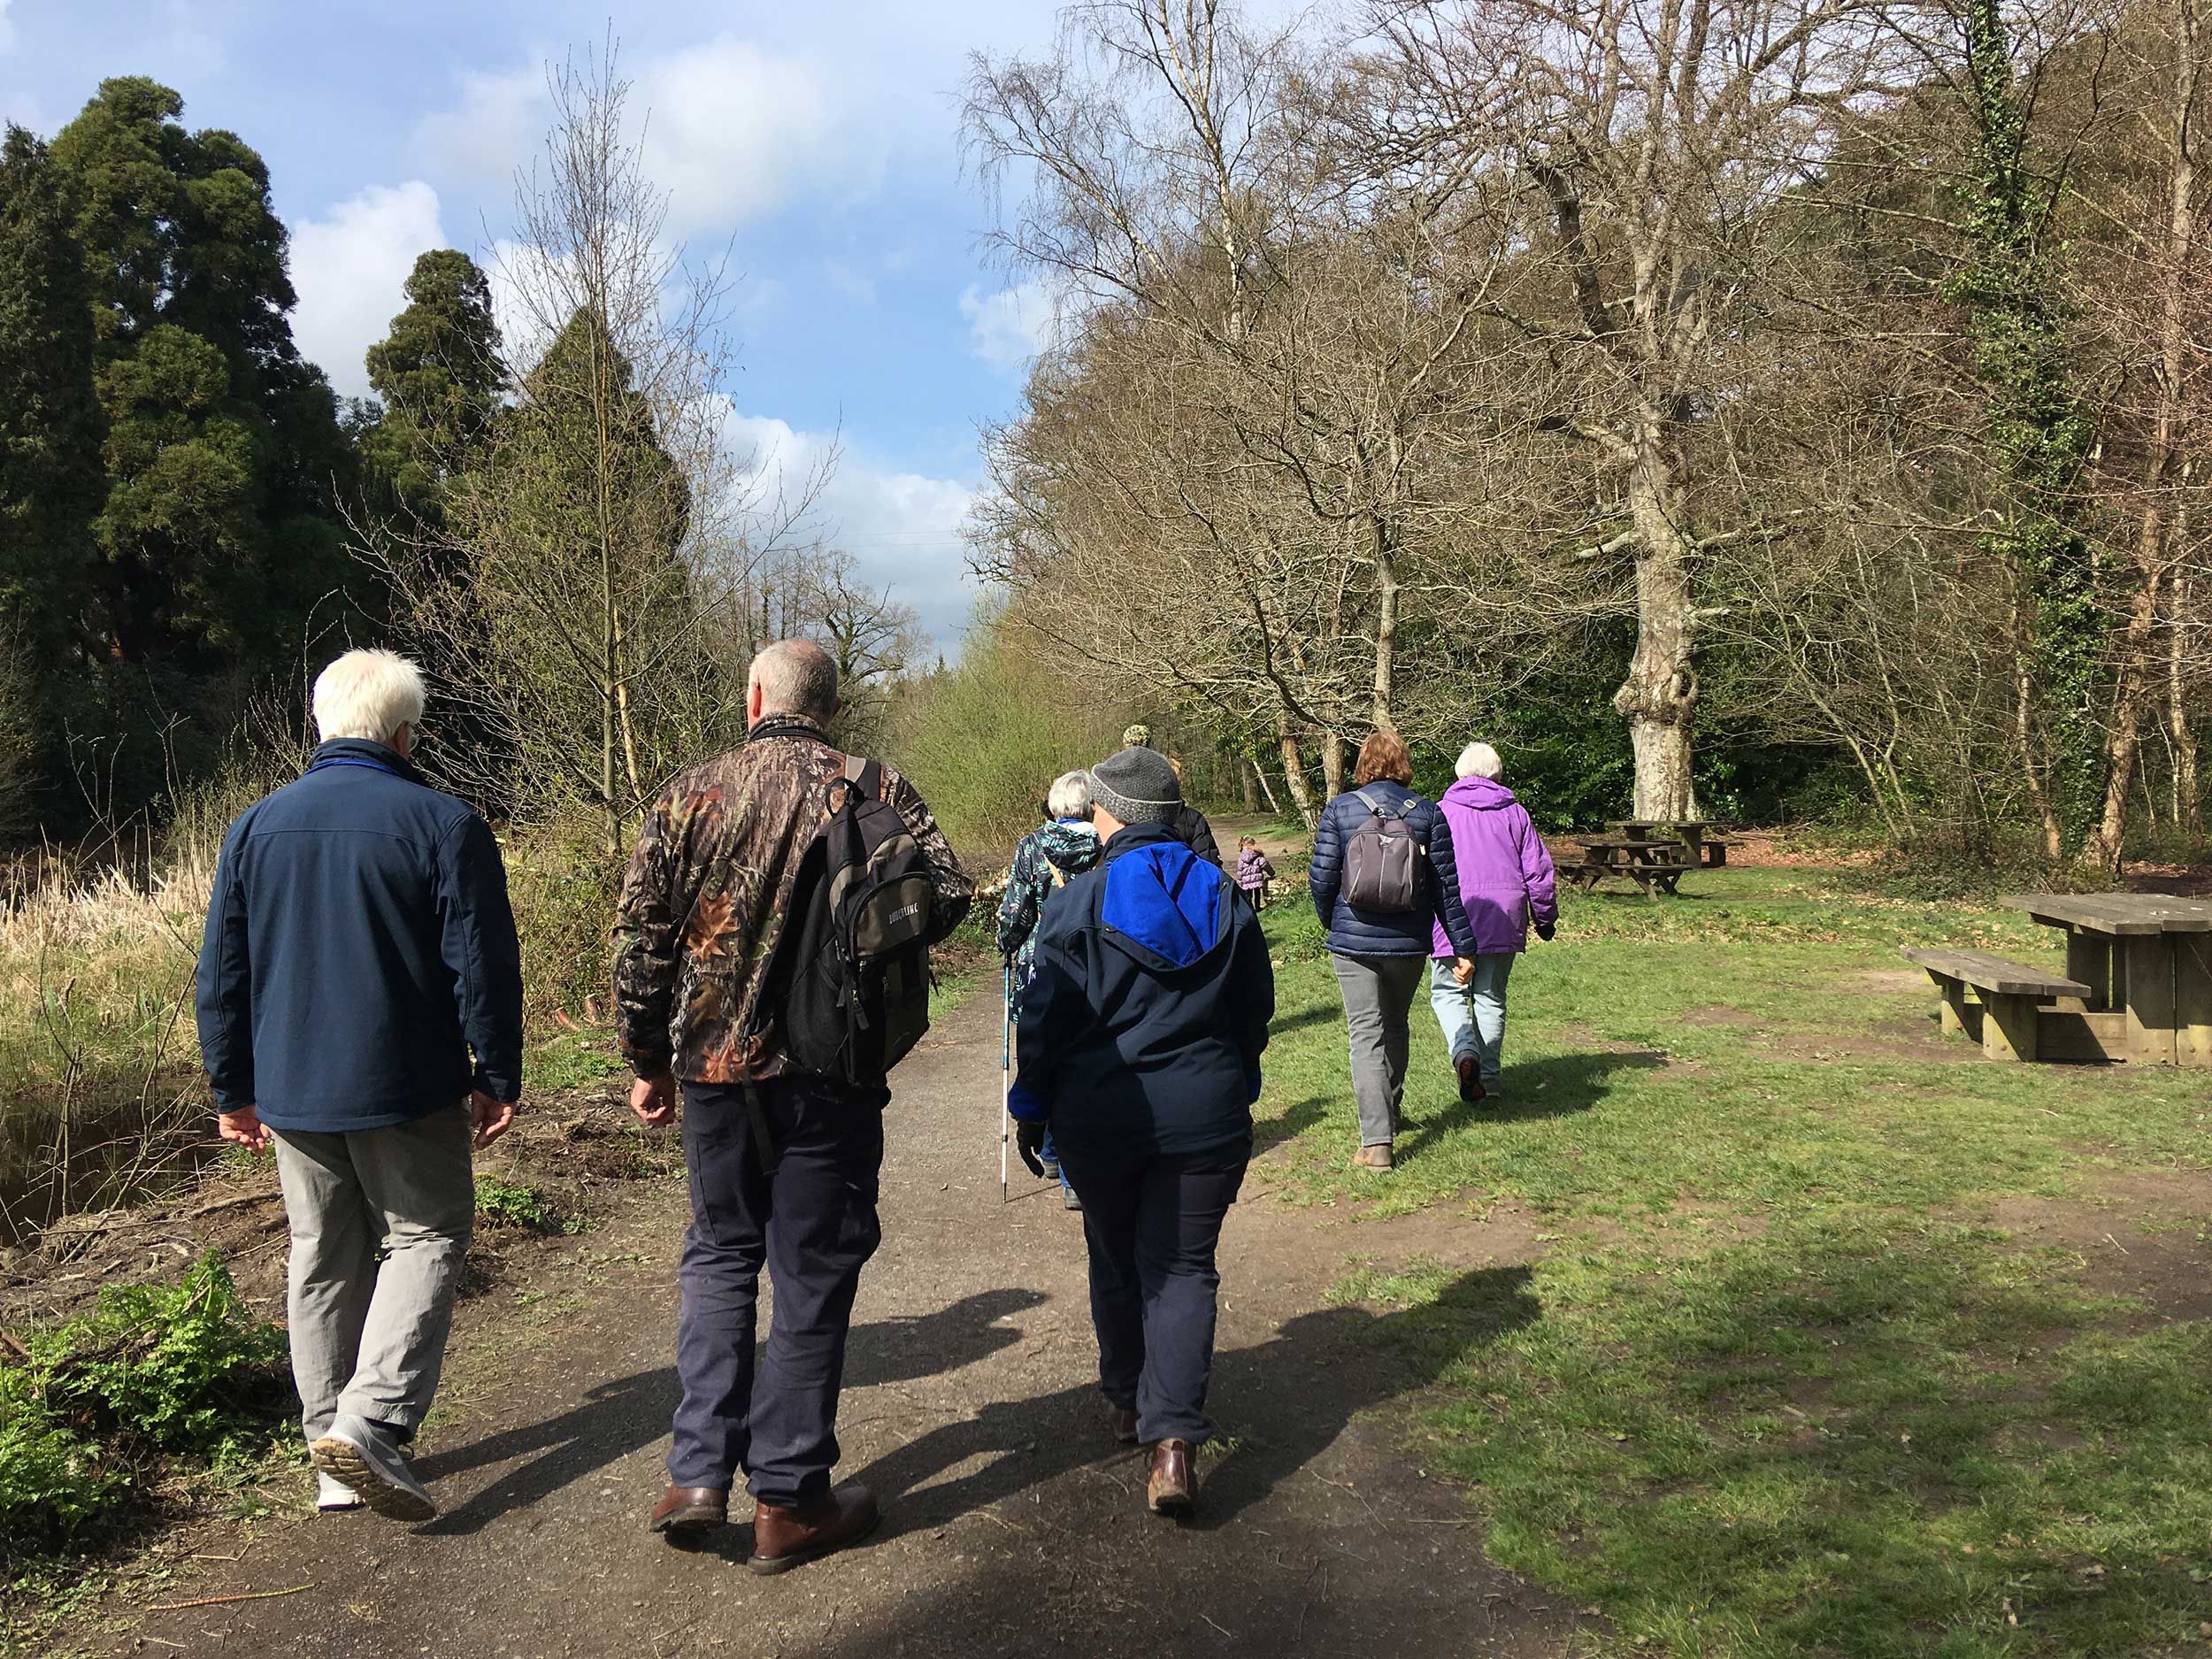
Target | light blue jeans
(1473,1016)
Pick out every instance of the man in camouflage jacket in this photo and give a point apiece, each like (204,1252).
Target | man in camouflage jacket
(709,889)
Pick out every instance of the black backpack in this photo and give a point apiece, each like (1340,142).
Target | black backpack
(849,986)
(1382,860)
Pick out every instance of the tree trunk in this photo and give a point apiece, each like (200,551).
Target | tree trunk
(1295,770)
(2103,842)
(2024,736)
(2101,847)
(2188,800)
(1660,692)
(1248,774)
(1385,558)
(1331,765)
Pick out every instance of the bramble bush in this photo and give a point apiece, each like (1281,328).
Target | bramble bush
(91,1406)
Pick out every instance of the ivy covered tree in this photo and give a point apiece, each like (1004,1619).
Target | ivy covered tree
(2040,435)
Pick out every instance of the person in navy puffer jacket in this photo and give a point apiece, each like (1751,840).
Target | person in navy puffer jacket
(1139,1041)
(1381,955)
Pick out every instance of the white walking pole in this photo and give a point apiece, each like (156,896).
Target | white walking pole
(1006,1083)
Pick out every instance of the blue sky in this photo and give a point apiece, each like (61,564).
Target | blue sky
(820,142)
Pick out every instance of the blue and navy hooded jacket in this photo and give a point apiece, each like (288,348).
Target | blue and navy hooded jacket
(359,947)
(1143,1026)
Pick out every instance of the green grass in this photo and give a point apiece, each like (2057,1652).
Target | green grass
(1780,1387)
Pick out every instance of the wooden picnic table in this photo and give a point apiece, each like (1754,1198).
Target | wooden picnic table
(1698,834)
(2145,955)
(1653,853)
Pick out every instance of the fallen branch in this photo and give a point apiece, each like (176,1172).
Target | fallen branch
(220,1600)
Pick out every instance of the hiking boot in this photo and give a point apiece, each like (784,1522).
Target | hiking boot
(685,1510)
(365,1457)
(333,1496)
(1068,1200)
(1052,1168)
(784,1538)
(1469,1069)
(1122,1421)
(1374,1157)
(1170,1487)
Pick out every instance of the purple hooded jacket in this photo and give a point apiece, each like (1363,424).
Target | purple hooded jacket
(1505,875)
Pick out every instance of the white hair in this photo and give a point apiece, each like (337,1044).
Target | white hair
(1479,760)
(1070,795)
(368,694)
(795,677)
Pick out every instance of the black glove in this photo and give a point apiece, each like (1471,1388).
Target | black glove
(1029,1140)
(1544,930)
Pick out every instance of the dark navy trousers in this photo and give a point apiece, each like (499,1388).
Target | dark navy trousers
(805,1207)
(1153,1221)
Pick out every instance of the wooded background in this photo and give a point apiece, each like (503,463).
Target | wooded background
(1726,407)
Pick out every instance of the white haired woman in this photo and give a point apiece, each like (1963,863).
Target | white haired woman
(1064,845)
(1506,883)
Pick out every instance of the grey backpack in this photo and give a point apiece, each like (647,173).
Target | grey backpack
(1382,860)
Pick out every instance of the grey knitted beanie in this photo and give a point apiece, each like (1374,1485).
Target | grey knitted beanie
(1137,786)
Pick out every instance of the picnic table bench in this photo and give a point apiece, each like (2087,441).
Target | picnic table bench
(1652,853)
(2138,984)
(1997,1002)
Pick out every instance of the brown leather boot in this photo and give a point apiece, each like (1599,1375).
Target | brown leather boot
(1171,1488)
(1374,1157)
(690,1509)
(1122,1421)
(784,1538)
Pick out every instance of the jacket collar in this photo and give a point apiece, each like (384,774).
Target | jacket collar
(359,751)
(1129,837)
(787,725)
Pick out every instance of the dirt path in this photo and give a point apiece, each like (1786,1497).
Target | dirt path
(1012,1525)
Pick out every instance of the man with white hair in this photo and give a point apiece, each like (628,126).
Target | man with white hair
(360,1007)
(725,970)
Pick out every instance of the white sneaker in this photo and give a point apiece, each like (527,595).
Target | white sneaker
(367,1459)
(333,1496)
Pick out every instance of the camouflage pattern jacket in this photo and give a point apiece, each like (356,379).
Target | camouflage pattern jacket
(708,890)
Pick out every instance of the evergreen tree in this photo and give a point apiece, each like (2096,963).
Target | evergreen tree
(50,482)
(225,455)
(439,375)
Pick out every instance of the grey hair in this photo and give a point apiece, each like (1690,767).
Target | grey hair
(1070,795)
(1479,760)
(368,694)
(795,677)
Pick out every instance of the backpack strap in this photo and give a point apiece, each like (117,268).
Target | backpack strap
(1378,808)
(862,777)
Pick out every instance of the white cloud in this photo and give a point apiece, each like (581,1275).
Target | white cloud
(732,131)
(495,129)
(1008,328)
(349,268)
(902,528)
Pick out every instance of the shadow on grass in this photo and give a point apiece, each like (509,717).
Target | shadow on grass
(1557,1086)
(1269,1132)
(1283,1402)
(1319,1014)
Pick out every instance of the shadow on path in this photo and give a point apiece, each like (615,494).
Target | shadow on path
(616,1418)
(1284,1402)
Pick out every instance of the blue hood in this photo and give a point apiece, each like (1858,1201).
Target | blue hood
(1163,905)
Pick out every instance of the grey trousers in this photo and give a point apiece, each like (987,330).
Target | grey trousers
(1378,994)
(368,1337)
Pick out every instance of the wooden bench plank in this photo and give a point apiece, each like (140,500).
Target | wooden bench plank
(1995,974)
